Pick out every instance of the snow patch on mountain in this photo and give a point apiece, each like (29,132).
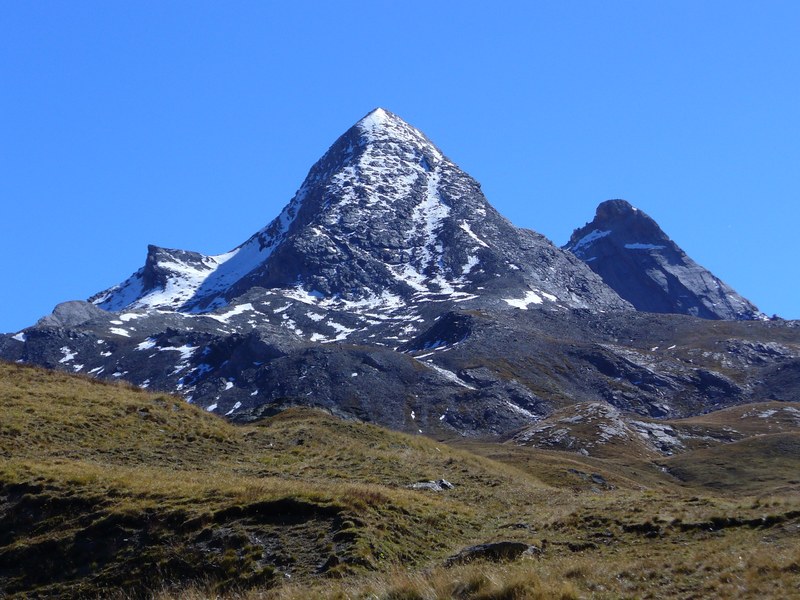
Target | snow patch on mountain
(186,351)
(236,310)
(583,243)
(146,345)
(523,303)
(235,407)
(639,246)
(449,375)
(521,411)
(68,354)
(465,227)
(472,262)
(341,331)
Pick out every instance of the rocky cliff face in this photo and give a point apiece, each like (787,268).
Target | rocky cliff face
(636,258)
(390,290)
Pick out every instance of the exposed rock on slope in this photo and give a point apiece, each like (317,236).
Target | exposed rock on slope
(599,429)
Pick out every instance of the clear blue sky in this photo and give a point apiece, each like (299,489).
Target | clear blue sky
(190,124)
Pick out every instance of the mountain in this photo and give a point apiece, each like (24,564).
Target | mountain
(389,290)
(636,258)
(383,219)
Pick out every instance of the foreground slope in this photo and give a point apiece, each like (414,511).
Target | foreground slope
(107,490)
(106,485)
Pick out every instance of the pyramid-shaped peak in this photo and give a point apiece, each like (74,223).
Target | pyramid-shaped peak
(382,218)
(380,118)
(381,125)
(378,115)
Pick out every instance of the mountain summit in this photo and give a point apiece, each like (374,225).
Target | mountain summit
(384,218)
(636,258)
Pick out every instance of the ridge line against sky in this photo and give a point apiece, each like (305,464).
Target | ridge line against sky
(191,125)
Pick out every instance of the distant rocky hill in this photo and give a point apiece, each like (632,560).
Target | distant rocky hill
(390,290)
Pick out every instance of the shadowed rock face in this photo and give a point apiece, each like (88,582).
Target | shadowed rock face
(636,258)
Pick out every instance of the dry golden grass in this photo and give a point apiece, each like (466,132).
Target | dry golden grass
(716,571)
(303,505)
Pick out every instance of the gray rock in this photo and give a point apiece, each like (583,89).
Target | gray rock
(494,552)
(439,485)
(72,314)
(595,478)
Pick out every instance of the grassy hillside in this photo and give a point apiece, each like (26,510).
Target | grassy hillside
(110,491)
(765,462)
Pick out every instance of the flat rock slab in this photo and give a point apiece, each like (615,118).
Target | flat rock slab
(435,486)
(493,551)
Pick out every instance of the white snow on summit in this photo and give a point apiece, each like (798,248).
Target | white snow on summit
(382,125)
